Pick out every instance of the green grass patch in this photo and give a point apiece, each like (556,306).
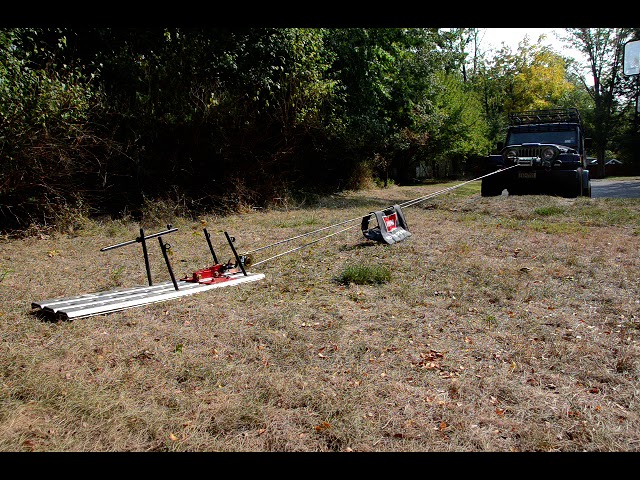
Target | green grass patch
(466,190)
(4,272)
(364,275)
(612,216)
(570,227)
(549,211)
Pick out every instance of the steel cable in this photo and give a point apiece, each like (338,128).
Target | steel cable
(302,246)
(410,203)
(302,235)
(406,204)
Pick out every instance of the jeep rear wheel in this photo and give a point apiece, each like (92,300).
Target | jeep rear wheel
(586,191)
(573,188)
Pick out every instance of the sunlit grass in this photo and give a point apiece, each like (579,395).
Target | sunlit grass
(566,227)
(477,333)
(364,275)
(297,222)
(611,216)
(464,190)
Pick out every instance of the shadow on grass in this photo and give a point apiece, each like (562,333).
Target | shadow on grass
(357,246)
(48,317)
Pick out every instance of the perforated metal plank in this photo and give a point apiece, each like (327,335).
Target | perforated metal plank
(86,305)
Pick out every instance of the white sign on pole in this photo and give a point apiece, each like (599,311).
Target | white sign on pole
(632,58)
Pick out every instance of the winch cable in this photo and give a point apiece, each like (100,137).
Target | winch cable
(303,235)
(410,203)
(406,204)
(302,246)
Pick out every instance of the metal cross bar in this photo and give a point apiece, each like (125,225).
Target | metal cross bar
(140,238)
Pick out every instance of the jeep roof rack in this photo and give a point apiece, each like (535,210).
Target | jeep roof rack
(552,115)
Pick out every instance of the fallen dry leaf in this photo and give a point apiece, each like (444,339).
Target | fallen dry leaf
(322,426)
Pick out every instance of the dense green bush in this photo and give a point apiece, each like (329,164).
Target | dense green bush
(50,149)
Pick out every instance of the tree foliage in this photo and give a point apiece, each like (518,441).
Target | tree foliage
(52,151)
(106,120)
(603,48)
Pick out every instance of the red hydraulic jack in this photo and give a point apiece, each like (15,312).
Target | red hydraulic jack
(220,272)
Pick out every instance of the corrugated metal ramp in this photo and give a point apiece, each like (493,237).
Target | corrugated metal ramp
(113,300)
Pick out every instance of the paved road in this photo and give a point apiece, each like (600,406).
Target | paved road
(603,188)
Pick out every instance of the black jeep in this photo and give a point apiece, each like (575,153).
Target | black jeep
(547,150)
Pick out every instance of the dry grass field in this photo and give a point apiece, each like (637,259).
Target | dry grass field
(505,324)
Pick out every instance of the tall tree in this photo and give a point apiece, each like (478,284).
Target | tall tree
(387,76)
(533,77)
(603,49)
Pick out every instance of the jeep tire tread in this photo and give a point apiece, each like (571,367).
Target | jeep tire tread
(490,188)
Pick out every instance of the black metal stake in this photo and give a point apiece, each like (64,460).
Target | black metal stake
(146,255)
(208,237)
(164,247)
(235,254)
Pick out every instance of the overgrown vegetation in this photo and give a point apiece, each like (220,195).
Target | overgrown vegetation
(507,324)
(105,121)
